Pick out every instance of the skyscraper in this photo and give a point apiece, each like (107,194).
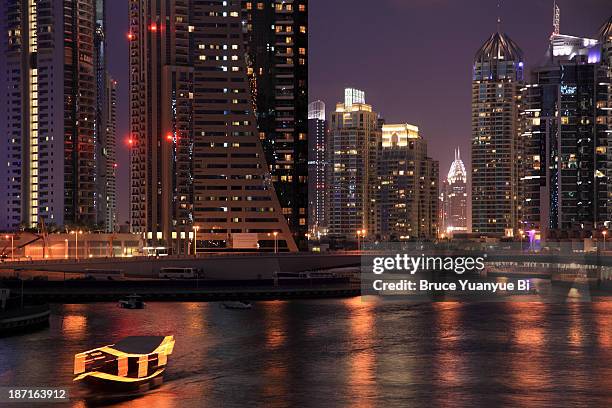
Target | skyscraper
(354,139)
(276,41)
(52,60)
(496,144)
(318,170)
(454,198)
(110,154)
(197,163)
(568,123)
(407,198)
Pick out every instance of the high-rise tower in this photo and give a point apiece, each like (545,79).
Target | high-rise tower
(110,155)
(354,139)
(454,198)
(567,126)
(197,164)
(496,145)
(407,180)
(276,41)
(318,170)
(53,132)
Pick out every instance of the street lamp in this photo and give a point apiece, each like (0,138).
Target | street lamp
(360,233)
(76,243)
(275,233)
(195,239)
(12,246)
(604,233)
(521,233)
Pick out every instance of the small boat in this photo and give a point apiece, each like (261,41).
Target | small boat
(132,302)
(20,320)
(134,362)
(237,305)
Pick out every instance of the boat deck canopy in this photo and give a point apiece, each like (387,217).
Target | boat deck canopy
(139,344)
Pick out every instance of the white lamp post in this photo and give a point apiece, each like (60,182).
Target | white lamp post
(12,237)
(195,240)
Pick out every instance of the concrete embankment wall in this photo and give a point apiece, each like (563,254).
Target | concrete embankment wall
(245,267)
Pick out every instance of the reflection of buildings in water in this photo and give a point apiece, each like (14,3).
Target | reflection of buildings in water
(602,312)
(155,399)
(528,338)
(362,358)
(276,323)
(576,333)
(196,314)
(449,362)
(74,323)
(275,371)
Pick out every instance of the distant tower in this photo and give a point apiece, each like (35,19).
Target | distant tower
(110,153)
(407,197)
(496,150)
(317,170)
(455,198)
(354,138)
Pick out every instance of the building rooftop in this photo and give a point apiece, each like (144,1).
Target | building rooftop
(605,32)
(499,47)
(457,170)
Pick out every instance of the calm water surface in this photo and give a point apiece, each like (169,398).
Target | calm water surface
(340,353)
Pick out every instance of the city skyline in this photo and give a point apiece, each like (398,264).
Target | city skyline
(401,89)
(306,203)
(469,24)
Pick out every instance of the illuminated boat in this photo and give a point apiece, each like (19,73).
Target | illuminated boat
(133,361)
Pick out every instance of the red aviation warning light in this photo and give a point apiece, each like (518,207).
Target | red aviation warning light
(169,137)
(130,36)
(153,27)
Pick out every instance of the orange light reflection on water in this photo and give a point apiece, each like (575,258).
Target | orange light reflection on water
(275,374)
(449,362)
(528,367)
(74,325)
(362,359)
(275,321)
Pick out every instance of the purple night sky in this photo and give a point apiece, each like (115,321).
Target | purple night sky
(412,58)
